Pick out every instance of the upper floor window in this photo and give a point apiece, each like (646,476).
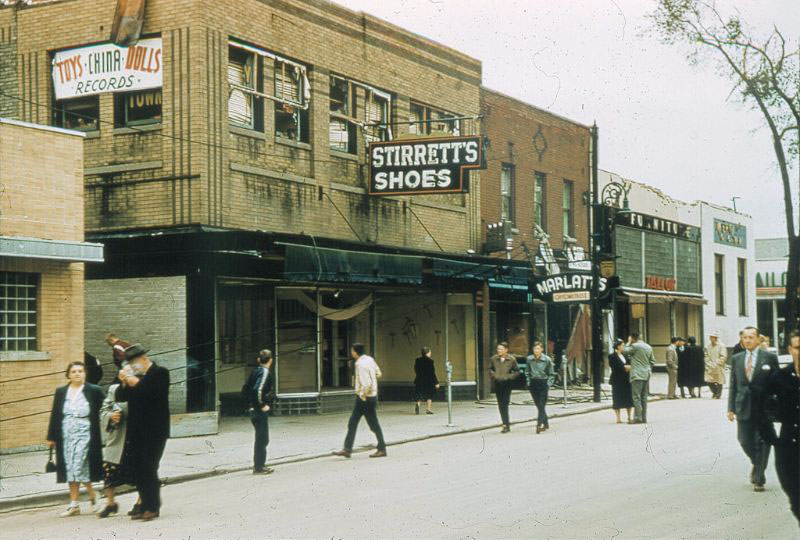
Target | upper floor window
(507,192)
(343,123)
(81,113)
(426,120)
(741,276)
(719,283)
(291,104)
(377,109)
(567,218)
(244,85)
(539,207)
(137,108)
(18,311)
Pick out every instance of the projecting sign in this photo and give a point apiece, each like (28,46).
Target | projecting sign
(566,287)
(417,166)
(106,67)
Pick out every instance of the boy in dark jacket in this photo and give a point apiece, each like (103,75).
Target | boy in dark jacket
(257,393)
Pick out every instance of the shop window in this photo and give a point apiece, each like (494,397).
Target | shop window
(291,115)
(539,206)
(567,218)
(719,292)
(245,84)
(427,120)
(507,192)
(81,114)
(18,311)
(741,277)
(342,107)
(137,108)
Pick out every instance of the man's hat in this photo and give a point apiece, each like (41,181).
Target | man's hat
(714,333)
(134,351)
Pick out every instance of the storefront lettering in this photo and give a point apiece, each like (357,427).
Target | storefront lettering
(422,166)
(770,279)
(107,67)
(731,234)
(661,283)
(659,225)
(551,289)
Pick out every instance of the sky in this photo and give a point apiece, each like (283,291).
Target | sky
(662,121)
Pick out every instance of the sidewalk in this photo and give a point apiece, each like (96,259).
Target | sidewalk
(296,438)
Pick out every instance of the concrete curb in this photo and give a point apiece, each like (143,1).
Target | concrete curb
(54,498)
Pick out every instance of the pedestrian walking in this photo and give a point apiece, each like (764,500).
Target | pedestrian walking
(672,366)
(257,392)
(425,382)
(621,393)
(539,373)
(642,362)
(783,385)
(503,370)
(147,393)
(74,431)
(118,347)
(116,456)
(716,358)
(748,371)
(366,379)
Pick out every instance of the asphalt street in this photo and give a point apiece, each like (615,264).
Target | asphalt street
(682,475)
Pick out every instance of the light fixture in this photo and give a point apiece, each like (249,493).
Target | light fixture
(337,293)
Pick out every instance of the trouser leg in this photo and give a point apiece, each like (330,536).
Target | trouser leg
(539,391)
(352,424)
(672,374)
(645,397)
(371,414)
(260,423)
(147,482)
(636,388)
(755,448)
(787,465)
(503,393)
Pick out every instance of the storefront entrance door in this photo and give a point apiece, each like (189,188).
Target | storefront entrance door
(336,360)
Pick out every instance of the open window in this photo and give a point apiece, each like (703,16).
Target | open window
(291,101)
(342,107)
(426,120)
(137,108)
(245,105)
(377,116)
(81,114)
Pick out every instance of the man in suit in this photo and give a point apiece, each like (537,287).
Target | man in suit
(257,392)
(147,394)
(672,367)
(642,362)
(749,371)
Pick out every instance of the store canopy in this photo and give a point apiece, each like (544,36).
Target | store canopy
(54,250)
(639,296)
(501,276)
(309,263)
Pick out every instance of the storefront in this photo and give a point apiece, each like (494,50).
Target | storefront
(772,255)
(660,294)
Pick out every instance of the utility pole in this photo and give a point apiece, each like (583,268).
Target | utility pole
(597,320)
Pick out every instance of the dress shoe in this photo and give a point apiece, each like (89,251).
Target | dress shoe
(538,429)
(428,412)
(110,509)
(149,516)
(505,429)
(265,470)
(378,453)
(342,453)
(137,509)
(758,488)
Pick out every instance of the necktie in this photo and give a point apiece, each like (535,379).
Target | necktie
(749,368)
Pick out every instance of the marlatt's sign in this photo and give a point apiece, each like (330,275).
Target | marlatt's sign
(436,165)
(106,67)
(566,287)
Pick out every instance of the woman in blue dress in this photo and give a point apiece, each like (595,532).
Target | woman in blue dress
(74,431)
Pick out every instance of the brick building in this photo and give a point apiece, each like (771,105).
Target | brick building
(42,256)
(229,189)
(538,171)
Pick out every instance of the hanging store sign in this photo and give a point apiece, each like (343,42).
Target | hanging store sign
(659,225)
(566,287)
(106,67)
(419,166)
(731,234)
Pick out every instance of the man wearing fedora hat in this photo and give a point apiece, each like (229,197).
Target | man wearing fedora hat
(147,394)
(716,356)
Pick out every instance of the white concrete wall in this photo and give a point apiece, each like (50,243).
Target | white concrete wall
(731,322)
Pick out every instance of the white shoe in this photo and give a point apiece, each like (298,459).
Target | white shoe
(70,511)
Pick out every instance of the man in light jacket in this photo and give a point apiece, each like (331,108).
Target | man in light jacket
(642,362)
(672,367)
(366,378)
(716,356)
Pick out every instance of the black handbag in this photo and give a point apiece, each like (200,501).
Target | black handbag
(51,465)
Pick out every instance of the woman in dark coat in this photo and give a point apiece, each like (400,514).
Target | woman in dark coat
(74,431)
(621,393)
(691,368)
(425,381)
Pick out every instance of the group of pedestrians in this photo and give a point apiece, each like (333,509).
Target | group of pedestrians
(690,366)
(116,437)
(631,366)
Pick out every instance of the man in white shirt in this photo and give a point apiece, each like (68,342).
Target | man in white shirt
(366,376)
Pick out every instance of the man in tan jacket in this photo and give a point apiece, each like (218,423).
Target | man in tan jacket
(716,355)
(503,370)
(672,366)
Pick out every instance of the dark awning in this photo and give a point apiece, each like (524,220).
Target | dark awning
(309,263)
(641,296)
(499,275)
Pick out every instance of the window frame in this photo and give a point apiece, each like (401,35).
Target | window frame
(719,284)
(741,278)
(540,185)
(31,281)
(423,126)
(509,195)
(121,109)
(568,213)
(250,90)
(60,113)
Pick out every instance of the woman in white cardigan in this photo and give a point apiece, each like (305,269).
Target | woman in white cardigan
(113,427)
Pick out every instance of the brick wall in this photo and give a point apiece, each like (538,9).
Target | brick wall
(213,175)
(150,311)
(533,140)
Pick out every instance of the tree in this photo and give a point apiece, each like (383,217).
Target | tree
(766,75)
